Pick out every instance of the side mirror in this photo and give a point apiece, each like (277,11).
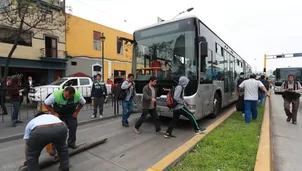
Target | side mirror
(274,73)
(203,49)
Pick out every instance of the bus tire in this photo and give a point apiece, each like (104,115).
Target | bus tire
(216,106)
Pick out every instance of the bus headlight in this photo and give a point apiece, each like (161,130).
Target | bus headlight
(192,108)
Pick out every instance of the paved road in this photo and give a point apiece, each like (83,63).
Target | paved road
(287,139)
(6,129)
(124,149)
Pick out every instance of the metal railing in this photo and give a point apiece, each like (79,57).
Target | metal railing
(37,96)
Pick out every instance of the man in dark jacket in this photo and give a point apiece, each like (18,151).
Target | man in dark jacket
(98,93)
(149,106)
(15,100)
(3,97)
(261,92)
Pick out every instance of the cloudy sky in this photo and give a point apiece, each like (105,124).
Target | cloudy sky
(252,28)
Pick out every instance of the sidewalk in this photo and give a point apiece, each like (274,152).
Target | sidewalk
(286,138)
(8,133)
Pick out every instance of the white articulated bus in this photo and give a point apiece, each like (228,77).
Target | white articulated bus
(187,47)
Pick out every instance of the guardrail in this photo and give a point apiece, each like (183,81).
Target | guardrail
(36,97)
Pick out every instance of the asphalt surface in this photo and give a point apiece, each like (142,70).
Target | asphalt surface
(286,138)
(6,130)
(124,150)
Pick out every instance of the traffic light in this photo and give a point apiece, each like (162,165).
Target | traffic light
(297,55)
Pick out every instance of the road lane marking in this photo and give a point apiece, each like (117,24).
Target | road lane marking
(177,154)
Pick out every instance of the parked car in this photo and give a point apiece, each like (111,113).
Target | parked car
(82,84)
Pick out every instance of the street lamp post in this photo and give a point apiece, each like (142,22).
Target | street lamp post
(102,39)
(188,10)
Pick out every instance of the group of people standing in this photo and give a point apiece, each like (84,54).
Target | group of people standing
(149,106)
(250,91)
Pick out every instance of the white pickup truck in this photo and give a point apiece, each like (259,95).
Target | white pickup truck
(82,84)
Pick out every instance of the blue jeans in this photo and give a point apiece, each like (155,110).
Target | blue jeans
(16,108)
(127,110)
(262,97)
(250,105)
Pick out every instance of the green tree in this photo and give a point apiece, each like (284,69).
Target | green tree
(34,16)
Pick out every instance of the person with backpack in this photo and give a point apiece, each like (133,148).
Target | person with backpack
(127,95)
(291,94)
(149,106)
(261,92)
(99,94)
(240,101)
(179,108)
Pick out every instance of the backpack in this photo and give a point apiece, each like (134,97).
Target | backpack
(295,85)
(170,102)
(291,95)
(120,93)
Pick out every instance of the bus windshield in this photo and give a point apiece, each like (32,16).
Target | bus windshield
(166,51)
(282,73)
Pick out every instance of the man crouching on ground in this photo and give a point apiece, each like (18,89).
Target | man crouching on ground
(40,131)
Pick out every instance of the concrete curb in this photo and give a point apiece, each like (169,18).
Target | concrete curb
(172,158)
(264,155)
(20,136)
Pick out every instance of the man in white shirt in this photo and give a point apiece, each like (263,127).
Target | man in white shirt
(40,131)
(251,87)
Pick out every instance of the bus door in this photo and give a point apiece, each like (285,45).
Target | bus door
(206,83)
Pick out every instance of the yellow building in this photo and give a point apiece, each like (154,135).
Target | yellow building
(85,49)
(38,54)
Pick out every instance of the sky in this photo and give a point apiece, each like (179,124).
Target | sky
(252,28)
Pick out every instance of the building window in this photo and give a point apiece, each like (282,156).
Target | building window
(51,47)
(119,46)
(8,35)
(73,63)
(96,40)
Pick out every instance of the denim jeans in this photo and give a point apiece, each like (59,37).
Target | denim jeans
(16,109)
(127,110)
(250,106)
(262,97)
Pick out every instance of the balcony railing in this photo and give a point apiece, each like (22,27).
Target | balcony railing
(53,53)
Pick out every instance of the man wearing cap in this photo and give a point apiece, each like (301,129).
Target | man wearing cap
(66,104)
(40,131)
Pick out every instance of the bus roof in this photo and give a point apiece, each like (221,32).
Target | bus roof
(166,22)
(187,17)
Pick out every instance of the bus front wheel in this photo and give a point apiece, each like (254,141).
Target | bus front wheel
(216,105)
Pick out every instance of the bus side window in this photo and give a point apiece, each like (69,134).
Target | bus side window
(206,68)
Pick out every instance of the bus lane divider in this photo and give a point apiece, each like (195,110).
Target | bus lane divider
(175,156)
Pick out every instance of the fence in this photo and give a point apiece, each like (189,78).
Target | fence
(36,97)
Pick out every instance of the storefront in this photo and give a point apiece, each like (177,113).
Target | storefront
(43,71)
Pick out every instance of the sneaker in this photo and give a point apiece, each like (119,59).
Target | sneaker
(242,114)
(136,130)
(167,135)
(294,122)
(201,131)
(13,124)
(101,116)
(18,121)
(161,132)
(93,117)
(125,125)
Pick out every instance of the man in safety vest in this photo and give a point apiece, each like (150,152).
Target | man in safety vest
(66,104)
